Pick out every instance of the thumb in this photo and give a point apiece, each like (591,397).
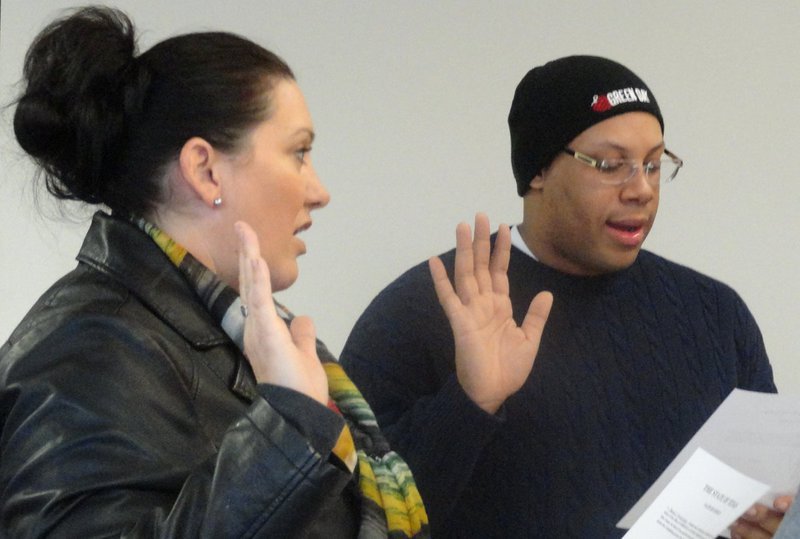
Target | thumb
(535,319)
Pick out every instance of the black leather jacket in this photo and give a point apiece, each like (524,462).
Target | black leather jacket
(126,411)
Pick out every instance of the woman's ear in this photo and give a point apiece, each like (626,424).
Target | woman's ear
(196,164)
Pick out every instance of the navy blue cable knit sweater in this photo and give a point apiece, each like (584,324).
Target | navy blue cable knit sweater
(630,366)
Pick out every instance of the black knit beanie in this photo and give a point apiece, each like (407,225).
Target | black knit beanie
(556,102)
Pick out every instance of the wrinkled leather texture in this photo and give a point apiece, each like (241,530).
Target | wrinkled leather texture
(126,411)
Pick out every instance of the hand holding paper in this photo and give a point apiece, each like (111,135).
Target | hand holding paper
(699,503)
(758,434)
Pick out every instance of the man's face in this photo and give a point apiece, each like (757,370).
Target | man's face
(579,225)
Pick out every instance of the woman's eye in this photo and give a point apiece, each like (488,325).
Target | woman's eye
(301,154)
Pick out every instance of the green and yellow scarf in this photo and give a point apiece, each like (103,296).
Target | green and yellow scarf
(391,505)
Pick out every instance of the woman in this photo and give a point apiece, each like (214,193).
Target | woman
(140,395)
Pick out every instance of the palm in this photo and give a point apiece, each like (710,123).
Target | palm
(494,356)
(278,355)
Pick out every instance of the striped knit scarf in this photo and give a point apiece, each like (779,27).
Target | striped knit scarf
(390,503)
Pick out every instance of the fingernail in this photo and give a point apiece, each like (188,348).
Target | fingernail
(782,505)
(752,512)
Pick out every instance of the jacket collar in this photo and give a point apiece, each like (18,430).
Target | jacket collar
(118,249)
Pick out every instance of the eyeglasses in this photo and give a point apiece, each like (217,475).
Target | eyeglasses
(620,171)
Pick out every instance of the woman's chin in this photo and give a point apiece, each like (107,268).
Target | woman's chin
(282,280)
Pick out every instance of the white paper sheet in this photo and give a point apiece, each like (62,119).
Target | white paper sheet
(700,502)
(757,434)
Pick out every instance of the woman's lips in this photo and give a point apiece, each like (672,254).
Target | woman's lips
(297,231)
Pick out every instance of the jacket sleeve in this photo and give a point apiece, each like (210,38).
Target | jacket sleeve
(102,437)
(400,355)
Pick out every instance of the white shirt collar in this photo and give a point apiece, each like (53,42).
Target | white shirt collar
(519,243)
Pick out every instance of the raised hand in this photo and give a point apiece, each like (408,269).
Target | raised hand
(494,356)
(278,355)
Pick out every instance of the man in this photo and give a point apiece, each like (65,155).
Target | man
(638,351)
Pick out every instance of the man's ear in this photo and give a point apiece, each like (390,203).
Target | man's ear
(537,182)
(196,163)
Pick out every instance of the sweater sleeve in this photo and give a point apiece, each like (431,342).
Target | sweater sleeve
(400,355)
(101,437)
(753,364)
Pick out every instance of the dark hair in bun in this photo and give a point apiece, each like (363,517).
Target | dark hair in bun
(103,123)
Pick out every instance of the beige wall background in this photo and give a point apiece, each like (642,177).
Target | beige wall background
(410,102)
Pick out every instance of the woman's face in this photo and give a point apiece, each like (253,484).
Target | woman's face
(271,185)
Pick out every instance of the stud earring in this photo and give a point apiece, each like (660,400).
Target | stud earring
(217,202)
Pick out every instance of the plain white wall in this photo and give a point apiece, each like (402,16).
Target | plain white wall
(410,102)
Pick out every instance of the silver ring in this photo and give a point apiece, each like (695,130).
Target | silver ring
(243,308)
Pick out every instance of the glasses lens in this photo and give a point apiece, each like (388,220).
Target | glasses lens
(669,168)
(620,171)
(616,171)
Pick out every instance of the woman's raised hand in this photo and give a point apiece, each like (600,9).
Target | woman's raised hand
(494,355)
(279,355)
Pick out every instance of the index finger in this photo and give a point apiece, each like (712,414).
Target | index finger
(255,289)
(444,289)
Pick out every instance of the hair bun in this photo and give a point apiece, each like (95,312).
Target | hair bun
(71,115)
(38,126)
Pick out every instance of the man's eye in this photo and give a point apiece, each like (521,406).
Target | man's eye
(610,167)
(652,166)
